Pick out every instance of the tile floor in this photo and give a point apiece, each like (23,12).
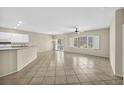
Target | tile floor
(62,68)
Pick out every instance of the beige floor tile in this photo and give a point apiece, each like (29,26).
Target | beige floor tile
(52,67)
(83,78)
(72,79)
(59,68)
(78,71)
(105,77)
(48,81)
(42,70)
(74,83)
(12,76)
(10,82)
(60,73)
(99,83)
(25,81)
(113,82)
(93,77)
(36,81)
(39,74)
(70,72)
(60,80)
(87,83)
(50,73)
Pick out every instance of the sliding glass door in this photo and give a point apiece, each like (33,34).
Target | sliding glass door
(60,45)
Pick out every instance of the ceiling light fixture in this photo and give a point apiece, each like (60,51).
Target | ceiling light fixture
(20,22)
(76,31)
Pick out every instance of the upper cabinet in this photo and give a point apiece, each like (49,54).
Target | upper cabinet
(13,37)
(5,37)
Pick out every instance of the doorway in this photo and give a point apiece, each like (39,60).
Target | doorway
(60,44)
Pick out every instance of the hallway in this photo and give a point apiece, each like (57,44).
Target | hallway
(62,68)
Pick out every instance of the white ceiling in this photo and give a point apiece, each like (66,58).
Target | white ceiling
(56,20)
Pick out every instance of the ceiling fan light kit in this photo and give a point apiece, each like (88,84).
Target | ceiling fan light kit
(76,31)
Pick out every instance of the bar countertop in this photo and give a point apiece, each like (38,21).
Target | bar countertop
(13,59)
(14,48)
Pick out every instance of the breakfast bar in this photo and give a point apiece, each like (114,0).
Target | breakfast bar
(14,59)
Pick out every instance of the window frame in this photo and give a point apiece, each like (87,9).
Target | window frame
(87,41)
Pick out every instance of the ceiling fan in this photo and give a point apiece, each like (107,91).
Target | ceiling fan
(77,31)
(74,29)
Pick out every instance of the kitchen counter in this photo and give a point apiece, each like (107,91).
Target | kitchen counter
(14,48)
(9,48)
(13,59)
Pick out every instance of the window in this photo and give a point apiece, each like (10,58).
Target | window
(85,42)
(75,42)
(90,42)
(71,42)
(93,42)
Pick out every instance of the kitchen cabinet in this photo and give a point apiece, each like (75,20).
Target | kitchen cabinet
(5,37)
(13,37)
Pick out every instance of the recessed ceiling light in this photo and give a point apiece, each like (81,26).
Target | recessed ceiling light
(20,22)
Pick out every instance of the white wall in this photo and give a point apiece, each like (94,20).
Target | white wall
(123,50)
(104,43)
(43,42)
(112,43)
(116,42)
